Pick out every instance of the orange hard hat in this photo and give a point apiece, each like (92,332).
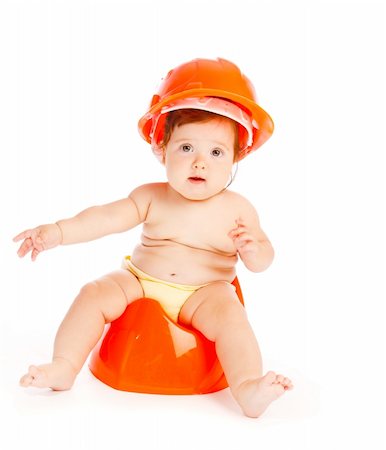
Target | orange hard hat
(209,78)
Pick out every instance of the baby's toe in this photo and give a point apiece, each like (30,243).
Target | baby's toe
(26,380)
(29,378)
(270,377)
(38,377)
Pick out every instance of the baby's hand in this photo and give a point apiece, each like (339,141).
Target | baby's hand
(244,241)
(39,239)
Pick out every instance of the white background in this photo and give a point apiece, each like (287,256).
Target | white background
(75,78)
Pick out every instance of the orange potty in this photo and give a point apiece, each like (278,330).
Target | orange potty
(145,351)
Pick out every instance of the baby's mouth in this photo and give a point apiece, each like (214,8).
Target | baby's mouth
(196,180)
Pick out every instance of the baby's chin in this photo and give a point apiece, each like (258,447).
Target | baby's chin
(200,196)
(196,191)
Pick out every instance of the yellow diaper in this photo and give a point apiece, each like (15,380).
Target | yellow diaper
(171,296)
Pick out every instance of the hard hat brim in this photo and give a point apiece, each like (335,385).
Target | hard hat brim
(262,118)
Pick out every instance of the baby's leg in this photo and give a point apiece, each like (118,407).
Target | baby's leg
(97,303)
(217,313)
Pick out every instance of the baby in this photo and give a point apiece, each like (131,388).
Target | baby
(194,230)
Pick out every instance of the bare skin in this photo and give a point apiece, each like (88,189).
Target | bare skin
(194,231)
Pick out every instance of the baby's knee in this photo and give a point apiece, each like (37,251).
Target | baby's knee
(110,294)
(90,290)
(219,309)
(229,312)
(100,292)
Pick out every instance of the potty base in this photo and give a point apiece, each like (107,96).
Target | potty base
(145,351)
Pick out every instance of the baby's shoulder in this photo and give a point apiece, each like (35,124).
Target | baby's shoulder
(144,195)
(148,190)
(235,199)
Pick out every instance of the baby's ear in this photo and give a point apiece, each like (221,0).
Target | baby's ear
(159,153)
(163,150)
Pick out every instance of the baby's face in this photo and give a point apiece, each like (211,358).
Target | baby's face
(199,158)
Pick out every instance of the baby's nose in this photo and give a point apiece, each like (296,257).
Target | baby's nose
(199,165)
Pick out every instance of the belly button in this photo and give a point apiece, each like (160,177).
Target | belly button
(173,274)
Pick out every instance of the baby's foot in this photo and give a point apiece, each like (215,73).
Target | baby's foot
(59,375)
(254,396)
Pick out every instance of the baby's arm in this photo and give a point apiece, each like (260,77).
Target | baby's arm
(98,221)
(251,243)
(90,224)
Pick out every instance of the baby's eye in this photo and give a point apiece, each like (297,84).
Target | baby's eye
(186,148)
(216,152)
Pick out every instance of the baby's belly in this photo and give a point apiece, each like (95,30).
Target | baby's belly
(178,263)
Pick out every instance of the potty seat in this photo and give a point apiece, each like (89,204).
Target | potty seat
(146,351)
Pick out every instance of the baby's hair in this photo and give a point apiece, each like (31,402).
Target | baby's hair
(185,116)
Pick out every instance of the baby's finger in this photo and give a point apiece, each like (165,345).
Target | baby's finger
(242,241)
(34,254)
(236,232)
(233,233)
(24,235)
(241,230)
(243,235)
(24,247)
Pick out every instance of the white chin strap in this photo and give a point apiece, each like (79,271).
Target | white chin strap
(215,105)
